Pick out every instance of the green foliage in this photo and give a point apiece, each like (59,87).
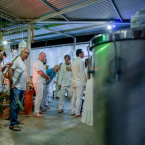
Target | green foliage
(2,96)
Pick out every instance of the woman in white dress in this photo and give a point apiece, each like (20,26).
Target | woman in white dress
(87,115)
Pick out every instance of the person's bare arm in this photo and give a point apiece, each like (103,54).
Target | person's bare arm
(44,75)
(6,65)
(10,74)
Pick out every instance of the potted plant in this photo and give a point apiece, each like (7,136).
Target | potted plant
(29,97)
(2,96)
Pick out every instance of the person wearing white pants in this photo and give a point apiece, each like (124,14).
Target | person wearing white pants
(45,98)
(45,91)
(78,83)
(38,87)
(51,72)
(64,82)
(39,77)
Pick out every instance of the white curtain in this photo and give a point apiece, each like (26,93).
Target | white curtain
(55,55)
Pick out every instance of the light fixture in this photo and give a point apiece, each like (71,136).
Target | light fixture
(109,27)
(5,42)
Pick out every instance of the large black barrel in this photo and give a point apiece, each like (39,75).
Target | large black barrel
(119,87)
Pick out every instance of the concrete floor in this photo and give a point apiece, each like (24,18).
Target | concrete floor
(52,129)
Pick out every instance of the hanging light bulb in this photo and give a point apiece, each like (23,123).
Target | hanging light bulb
(109,27)
(5,42)
(114,26)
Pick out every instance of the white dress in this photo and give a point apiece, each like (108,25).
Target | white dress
(0,79)
(87,115)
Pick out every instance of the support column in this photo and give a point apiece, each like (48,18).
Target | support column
(29,47)
(74,47)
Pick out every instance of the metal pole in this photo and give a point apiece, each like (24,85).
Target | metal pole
(74,47)
(29,47)
(68,35)
(116,10)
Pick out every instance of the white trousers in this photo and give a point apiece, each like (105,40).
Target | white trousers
(62,95)
(45,98)
(39,94)
(76,99)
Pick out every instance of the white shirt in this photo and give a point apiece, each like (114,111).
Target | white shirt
(20,74)
(44,69)
(78,72)
(38,66)
(65,77)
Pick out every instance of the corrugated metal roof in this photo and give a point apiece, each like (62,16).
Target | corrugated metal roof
(61,4)
(99,10)
(24,8)
(128,8)
(72,26)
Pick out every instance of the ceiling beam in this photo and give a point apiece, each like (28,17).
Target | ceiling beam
(82,22)
(66,31)
(49,5)
(88,27)
(9,26)
(58,32)
(9,16)
(15,29)
(116,10)
(98,23)
(64,11)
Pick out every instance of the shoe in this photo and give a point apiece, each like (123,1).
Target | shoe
(15,128)
(72,114)
(49,102)
(47,106)
(77,116)
(38,115)
(60,111)
(42,110)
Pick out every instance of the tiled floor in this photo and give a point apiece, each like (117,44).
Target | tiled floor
(52,129)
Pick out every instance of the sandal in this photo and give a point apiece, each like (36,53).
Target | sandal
(20,122)
(47,106)
(60,111)
(15,128)
(41,112)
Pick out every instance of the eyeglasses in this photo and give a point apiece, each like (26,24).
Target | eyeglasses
(26,53)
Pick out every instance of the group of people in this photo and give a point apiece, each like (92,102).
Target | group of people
(71,79)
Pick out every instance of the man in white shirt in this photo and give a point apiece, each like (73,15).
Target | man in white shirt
(39,79)
(64,81)
(17,77)
(78,83)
